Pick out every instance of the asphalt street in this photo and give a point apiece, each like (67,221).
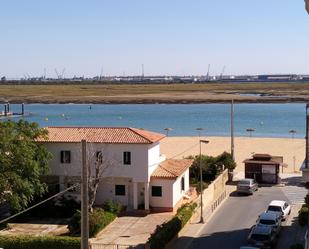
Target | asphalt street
(230,225)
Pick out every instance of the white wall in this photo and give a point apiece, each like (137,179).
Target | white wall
(106,191)
(112,154)
(178,193)
(154,157)
(167,193)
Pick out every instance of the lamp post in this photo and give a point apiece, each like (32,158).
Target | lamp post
(292,132)
(201,178)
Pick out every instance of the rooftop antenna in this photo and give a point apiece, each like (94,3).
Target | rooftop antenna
(207,77)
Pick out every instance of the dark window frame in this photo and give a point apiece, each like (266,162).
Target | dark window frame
(127,158)
(156,191)
(182,183)
(65,156)
(120,190)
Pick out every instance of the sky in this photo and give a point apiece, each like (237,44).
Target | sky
(170,37)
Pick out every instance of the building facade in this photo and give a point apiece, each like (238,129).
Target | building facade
(132,169)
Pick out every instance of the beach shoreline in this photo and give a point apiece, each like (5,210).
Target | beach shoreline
(291,149)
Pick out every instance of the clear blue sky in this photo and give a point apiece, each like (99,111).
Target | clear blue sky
(167,36)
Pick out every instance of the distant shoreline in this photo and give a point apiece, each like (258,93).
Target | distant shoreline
(163,101)
(157,94)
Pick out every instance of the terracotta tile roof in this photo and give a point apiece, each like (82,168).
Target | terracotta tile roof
(112,135)
(172,168)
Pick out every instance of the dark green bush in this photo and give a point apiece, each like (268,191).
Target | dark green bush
(112,207)
(41,242)
(297,246)
(167,231)
(307,199)
(303,215)
(98,219)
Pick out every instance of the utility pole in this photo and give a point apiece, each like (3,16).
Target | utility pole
(307,143)
(232,130)
(84,198)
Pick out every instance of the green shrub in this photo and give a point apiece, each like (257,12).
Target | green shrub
(112,207)
(303,215)
(167,231)
(98,219)
(297,246)
(41,242)
(307,199)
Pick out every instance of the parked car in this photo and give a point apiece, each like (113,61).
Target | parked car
(280,206)
(247,186)
(262,236)
(271,219)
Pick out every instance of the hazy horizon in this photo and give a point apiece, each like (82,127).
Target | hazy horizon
(169,37)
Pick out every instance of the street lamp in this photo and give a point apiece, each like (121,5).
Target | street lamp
(201,178)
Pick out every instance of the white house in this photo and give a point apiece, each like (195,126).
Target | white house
(135,173)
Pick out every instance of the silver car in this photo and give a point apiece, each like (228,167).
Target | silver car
(247,186)
(271,219)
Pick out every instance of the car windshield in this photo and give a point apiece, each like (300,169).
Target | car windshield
(274,208)
(267,222)
(245,182)
(259,237)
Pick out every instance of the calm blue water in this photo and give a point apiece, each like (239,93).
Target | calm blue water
(268,120)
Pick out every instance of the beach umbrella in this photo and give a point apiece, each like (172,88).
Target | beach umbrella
(167,130)
(199,130)
(292,132)
(250,130)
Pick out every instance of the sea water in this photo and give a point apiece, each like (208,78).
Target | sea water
(267,120)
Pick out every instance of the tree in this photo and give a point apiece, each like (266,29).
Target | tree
(22,162)
(98,163)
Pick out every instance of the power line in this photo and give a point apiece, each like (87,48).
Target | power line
(60,193)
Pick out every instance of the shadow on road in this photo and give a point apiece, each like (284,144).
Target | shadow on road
(222,240)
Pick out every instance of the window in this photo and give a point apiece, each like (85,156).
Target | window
(65,156)
(99,156)
(120,190)
(182,184)
(156,191)
(127,158)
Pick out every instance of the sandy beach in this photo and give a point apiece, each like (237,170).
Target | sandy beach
(292,149)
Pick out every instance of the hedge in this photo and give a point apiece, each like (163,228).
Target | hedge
(167,231)
(98,219)
(303,215)
(297,246)
(40,242)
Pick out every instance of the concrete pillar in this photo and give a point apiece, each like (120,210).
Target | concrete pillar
(146,195)
(135,195)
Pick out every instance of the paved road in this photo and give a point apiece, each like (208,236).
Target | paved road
(230,225)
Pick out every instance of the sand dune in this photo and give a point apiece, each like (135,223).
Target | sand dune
(292,149)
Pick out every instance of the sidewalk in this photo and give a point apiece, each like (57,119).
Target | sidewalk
(193,228)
